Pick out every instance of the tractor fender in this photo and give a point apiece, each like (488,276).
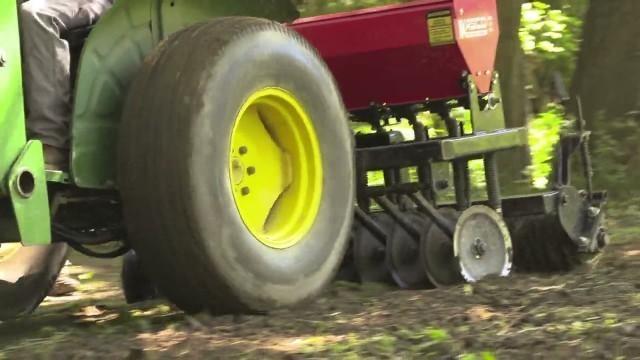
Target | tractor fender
(114,51)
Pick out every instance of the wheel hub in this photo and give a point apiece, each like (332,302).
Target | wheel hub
(275,168)
(479,248)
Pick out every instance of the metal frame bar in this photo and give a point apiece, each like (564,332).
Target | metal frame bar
(415,154)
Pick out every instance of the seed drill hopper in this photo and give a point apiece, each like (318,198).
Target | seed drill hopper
(211,143)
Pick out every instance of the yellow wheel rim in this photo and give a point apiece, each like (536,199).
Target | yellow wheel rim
(275,168)
(8,250)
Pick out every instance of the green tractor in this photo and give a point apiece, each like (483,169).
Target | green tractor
(167,144)
(213,138)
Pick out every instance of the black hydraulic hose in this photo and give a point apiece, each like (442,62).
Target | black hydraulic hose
(88,252)
(79,241)
(72,235)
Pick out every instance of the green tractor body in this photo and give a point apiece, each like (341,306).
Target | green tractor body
(31,220)
(115,51)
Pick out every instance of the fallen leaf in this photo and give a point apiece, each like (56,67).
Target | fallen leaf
(91,311)
(480,313)
(86,276)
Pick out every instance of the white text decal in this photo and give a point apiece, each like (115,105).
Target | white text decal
(475,27)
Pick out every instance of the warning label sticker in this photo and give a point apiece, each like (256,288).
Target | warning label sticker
(440,24)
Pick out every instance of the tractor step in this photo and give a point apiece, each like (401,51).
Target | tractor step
(60,177)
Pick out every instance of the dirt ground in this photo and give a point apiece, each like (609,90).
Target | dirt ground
(593,315)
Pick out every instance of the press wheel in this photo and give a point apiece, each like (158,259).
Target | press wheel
(482,244)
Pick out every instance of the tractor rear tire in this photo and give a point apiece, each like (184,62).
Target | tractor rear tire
(27,275)
(178,176)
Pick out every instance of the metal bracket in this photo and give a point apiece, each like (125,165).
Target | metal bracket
(29,196)
(489,117)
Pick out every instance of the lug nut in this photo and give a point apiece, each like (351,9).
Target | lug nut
(243,150)
(584,241)
(245,191)
(251,170)
(479,248)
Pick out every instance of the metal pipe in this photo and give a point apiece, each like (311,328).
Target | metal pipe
(493,182)
(442,222)
(585,152)
(371,225)
(390,180)
(362,182)
(403,189)
(397,215)
(461,181)
(424,170)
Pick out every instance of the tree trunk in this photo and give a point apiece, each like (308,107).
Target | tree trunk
(608,71)
(608,81)
(510,64)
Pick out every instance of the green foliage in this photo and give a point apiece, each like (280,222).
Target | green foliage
(550,38)
(437,334)
(482,356)
(544,133)
(545,31)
